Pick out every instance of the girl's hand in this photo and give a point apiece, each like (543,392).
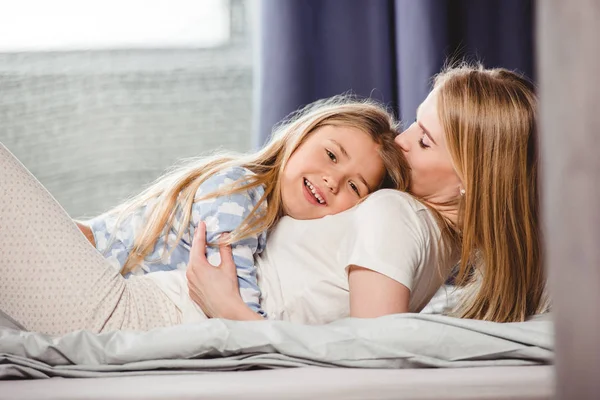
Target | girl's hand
(87,232)
(215,289)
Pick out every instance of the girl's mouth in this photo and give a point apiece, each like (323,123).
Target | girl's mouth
(314,193)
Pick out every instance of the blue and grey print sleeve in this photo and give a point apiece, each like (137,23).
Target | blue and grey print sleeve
(224,214)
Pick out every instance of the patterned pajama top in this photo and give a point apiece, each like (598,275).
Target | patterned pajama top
(221,214)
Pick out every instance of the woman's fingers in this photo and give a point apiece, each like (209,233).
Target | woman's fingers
(226,253)
(197,258)
(200,234)
(198,251)
(215,290)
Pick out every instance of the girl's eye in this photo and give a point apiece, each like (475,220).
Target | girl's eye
(355,188)
(331,156)
(422,142)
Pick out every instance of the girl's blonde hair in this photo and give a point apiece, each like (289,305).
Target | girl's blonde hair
(175,192)
(489,120)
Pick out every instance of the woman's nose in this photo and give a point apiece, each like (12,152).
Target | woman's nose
(402,141)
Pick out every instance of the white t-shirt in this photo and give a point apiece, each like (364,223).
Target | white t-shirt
(303,270)
(303,273)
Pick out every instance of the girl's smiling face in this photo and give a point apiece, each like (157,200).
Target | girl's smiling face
(330,172)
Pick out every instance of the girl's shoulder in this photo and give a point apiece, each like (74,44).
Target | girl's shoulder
(231,177)
(232,174)
(236,176)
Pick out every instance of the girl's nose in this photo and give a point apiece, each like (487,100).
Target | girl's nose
(332,183)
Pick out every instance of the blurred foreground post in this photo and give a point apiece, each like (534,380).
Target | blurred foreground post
(568,39)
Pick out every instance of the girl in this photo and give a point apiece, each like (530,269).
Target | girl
(322,161)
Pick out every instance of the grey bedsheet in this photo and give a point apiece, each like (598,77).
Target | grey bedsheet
(396,341)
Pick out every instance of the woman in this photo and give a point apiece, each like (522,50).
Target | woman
(473,157)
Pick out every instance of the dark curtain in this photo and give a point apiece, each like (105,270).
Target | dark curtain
(384,49)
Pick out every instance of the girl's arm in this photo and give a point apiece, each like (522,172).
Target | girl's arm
(108,238)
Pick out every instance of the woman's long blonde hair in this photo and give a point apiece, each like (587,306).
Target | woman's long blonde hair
(175,192)
(489,120)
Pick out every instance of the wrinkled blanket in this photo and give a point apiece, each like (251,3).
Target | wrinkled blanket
(395,341)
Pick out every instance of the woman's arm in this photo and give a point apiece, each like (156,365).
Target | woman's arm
(215,289)
(242,312)
(373,294)
(389,245)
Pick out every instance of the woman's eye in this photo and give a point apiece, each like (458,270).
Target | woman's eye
(355,188)
(422,142)
(331,155)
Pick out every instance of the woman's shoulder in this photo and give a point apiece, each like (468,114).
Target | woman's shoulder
(394,210)
(390,199)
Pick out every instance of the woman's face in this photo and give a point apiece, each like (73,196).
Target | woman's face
(330,172)
(433,177)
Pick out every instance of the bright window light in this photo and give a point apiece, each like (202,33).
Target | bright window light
(43,25)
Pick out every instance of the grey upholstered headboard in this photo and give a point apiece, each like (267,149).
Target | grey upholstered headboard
(95,126)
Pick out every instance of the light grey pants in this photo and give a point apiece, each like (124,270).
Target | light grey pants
(52,280)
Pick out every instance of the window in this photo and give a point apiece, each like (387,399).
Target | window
(33,25)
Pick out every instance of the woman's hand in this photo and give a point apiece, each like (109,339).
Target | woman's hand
(215,289)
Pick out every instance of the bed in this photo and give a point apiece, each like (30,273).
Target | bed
(411,356)
(532,382)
